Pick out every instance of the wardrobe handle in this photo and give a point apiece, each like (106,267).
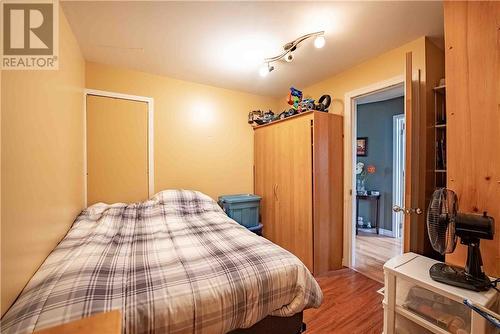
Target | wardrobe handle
(275,189)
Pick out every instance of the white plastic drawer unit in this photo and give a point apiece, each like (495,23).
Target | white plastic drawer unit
(414,303)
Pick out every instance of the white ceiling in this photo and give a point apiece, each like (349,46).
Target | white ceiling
(223,43)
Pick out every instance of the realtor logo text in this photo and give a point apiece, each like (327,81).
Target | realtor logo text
(30,35)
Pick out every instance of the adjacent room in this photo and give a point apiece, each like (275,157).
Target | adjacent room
(379,176)
(250,167)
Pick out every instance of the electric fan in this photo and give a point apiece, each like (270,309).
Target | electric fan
(445,224)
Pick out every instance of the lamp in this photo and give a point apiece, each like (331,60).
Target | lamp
(288,50)
(265,70)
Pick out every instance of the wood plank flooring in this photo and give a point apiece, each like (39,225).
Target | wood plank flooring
(351,305)
(372,251)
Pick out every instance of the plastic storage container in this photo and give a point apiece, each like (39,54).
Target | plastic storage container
(243,208)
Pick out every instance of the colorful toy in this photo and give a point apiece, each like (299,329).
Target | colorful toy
(294,98)
(260,117)
(306,105)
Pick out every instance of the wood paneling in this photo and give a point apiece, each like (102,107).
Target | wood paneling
(117,150)
(351,305)
(472,38)
(298,173)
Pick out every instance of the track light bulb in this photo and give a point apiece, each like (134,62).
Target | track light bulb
(319,42)
(289,57)
(265,69)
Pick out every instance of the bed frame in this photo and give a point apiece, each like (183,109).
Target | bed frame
(276,325)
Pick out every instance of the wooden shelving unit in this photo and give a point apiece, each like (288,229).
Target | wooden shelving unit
(440,136)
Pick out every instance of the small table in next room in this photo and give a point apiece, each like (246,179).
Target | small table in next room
(375,198)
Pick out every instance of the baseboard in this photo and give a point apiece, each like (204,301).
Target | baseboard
(385,232)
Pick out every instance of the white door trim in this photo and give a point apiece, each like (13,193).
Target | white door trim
(350,160)
(150,102)
(398,165)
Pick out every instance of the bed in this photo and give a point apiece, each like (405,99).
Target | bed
(173,264)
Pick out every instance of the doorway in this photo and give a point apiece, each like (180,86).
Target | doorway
(377,238)
(118,147)
(392,88)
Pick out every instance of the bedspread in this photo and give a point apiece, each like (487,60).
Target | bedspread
(172,264)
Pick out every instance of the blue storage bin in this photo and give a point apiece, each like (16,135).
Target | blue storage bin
(243,208)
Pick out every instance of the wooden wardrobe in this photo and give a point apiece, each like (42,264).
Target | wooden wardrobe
(298,166)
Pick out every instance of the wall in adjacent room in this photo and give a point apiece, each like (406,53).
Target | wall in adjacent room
(42,162)
(202,139)
(375,121)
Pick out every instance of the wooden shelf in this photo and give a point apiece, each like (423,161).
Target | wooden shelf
(440,133)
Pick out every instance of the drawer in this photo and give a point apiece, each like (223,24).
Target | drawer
(428,307)
(405,326)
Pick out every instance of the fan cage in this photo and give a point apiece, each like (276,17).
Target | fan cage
(441,216)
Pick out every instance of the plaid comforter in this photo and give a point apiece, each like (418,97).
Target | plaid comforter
(173,264)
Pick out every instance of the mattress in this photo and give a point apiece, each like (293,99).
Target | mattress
(173,264)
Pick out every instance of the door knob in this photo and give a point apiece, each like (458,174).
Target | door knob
(397,208)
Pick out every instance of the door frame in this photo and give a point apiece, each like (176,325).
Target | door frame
(150,103)
(398,166)
(350,159)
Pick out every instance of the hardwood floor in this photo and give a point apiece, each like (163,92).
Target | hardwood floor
(372,251)
(351,305)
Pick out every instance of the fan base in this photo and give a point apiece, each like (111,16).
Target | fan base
(456,276)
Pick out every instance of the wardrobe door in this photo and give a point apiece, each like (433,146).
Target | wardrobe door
(293,168)
(264,178)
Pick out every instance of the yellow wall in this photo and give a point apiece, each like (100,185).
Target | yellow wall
(42,162)
(202,138)
(385,66)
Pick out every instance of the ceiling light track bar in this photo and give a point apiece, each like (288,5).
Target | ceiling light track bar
(291,46)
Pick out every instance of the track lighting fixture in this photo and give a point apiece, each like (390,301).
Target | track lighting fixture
(289,57)
(265,70)
(288,50)
(319,42)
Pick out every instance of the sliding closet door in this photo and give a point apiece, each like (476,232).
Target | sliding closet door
(117,150)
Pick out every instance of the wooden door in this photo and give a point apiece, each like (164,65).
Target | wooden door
(283,177)
(417,142)
(117,150)
(408,148)
(293,161)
